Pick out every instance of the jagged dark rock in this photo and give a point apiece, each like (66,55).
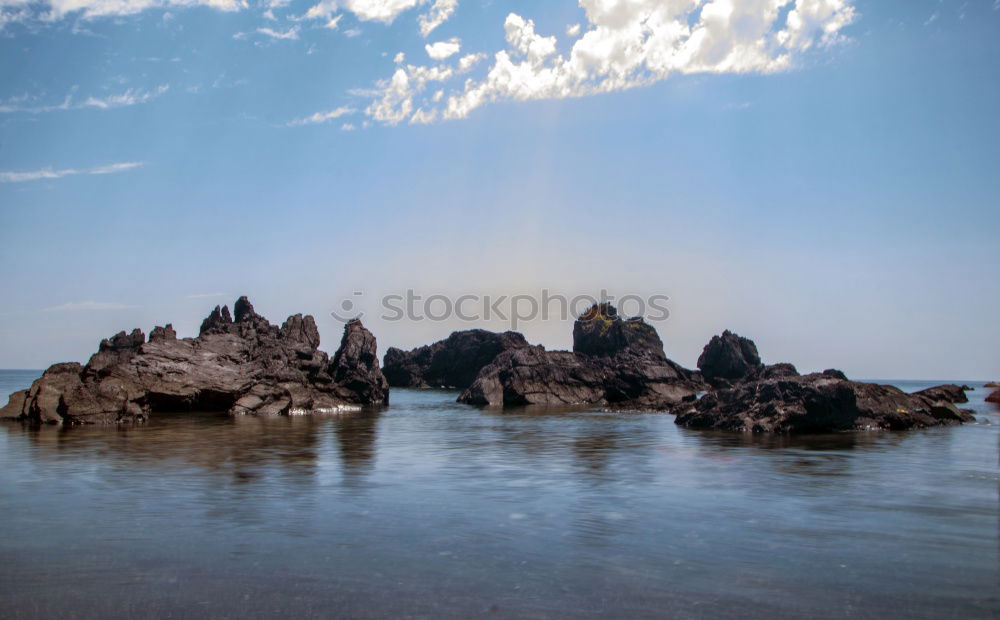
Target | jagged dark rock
(246,366)
(452,363)
(729,358)
(118,349)
(816,403)
(615,362)
(163,334)
(216,322)
(600,331)
(949,393)
(993,397)
(783,369)
(355,370)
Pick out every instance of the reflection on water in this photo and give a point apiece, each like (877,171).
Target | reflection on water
(434,509)
(355,436)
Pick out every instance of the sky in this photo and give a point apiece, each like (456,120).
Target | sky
(817,175)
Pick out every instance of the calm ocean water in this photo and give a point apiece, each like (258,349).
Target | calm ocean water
(431,509)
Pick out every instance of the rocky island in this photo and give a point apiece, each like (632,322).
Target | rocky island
(751,397)
(241,365)
(620,363)
(244,365)
(614,362)
(452,363)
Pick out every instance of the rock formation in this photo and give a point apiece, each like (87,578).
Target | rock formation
(452,363)
(949,393)
(750,396)
(244,365)
(615,361)
(816,403)
(730,358)
(600,331)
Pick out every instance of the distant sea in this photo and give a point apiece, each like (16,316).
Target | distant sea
(432,509)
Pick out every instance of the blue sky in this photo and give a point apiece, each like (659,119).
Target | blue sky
(818,175)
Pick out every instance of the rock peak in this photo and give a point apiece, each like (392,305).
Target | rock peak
(600,311)
(600,331)
(248,367)
(450,363)
(243,310)
(729,356)
(355,366)
(218,321)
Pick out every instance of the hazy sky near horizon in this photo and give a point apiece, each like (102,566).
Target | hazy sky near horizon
(818,175)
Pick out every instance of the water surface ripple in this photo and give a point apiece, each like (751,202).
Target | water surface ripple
(431,509)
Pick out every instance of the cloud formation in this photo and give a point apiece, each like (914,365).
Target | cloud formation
(130,97)
(54,10)
(321,117)
(444,49)
(292,34)
(49,173)
(385,11)
(625,44)
(437,15)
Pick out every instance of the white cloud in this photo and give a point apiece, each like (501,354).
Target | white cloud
(573,31)
(444,49)
(73,306)
(49,173)
(396,95)
(385,11)
(129,97)
(291,34)
(625,44)
(400,56)
(439,14)
(379,10)
(54,10)
(366,10)
(321,117)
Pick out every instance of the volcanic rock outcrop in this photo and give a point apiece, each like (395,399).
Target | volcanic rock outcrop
(617,362)
(949,393)
(730,359)
(816,403)
(452,363)
(244,365)
(750,396)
